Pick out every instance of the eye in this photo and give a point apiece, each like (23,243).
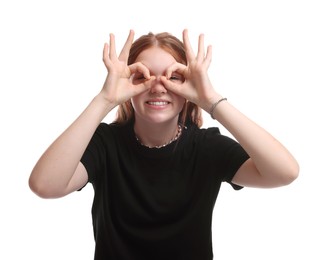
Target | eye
(138,78)
(177,77)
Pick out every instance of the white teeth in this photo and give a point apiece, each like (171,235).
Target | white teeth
(158,103)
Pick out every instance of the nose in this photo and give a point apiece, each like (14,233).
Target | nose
(157,87)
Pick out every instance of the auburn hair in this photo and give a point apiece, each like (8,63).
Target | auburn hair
(191,113)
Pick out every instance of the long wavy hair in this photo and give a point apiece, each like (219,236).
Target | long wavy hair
(191,113)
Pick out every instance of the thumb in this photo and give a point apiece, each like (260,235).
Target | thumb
(173,87)
(142,87)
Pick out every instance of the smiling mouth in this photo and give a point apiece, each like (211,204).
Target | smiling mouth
(158,103)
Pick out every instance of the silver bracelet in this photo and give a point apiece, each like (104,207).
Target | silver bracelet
(214,106)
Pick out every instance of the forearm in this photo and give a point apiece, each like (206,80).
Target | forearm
(57,165)
(273,161)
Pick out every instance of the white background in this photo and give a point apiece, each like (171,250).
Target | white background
(268,61)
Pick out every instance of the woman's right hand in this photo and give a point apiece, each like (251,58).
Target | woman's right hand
(59,171)
(118,86)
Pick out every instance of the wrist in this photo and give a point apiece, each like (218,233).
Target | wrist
(215,105)
(210,102)
(102,102)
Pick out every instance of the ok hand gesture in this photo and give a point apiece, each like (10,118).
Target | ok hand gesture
(118,86)
(196,87)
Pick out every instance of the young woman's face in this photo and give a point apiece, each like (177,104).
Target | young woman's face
(157,105)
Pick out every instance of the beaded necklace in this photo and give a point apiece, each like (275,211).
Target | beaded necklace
(178,134)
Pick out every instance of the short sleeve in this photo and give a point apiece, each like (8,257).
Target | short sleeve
(94,156)
(236,157)
(225,153)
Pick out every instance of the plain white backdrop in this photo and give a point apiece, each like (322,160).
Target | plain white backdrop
(268,61)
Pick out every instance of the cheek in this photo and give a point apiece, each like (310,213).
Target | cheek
(135,101)
(180,101)
(138,102)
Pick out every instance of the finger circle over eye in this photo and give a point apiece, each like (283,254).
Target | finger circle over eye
(139,70)
(139,67)
(175,67)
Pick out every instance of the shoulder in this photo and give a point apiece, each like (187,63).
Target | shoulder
(197,131)
(211,141)
(204,135)
(108,129)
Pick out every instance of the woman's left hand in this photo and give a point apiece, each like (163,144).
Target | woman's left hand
(197,86)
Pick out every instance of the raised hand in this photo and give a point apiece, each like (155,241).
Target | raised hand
(118,86)
(197,86)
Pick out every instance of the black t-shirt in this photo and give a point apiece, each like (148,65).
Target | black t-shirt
(153,204)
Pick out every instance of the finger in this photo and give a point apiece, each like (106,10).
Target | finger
(200,52)
(187,45)
(144,86)
(112,53)
(139,67)
(105,55)
(208,57)
(124,54)
(175,67)
(173,87)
